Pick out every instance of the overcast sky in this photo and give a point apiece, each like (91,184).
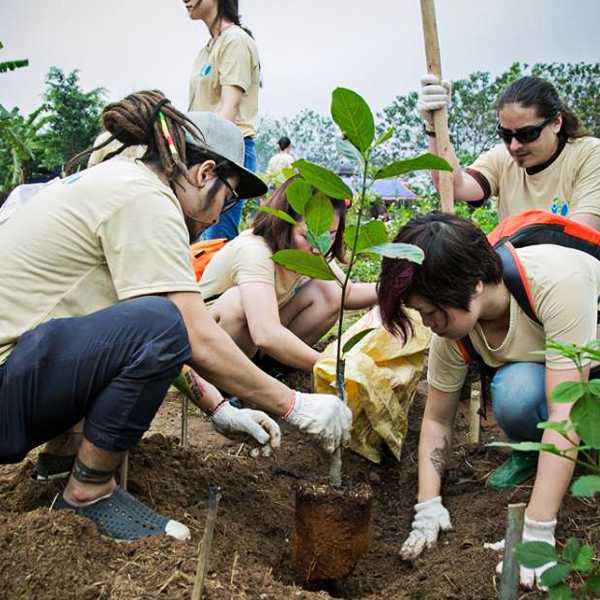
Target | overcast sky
(307,47)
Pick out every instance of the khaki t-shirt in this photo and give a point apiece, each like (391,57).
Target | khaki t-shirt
(108,233)
(232,60)
(280,161)
(571,183)
(565,286)
(247,259)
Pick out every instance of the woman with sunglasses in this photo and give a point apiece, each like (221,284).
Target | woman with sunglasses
(268,308)
(547,160)
(225,80)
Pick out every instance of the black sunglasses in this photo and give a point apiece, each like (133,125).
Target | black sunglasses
(231,202)
(525,135)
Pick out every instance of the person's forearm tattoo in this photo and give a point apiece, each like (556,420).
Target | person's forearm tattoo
(439,456)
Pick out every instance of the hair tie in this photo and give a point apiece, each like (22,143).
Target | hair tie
(154,115)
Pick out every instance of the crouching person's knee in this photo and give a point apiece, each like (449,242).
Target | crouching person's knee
(519,400)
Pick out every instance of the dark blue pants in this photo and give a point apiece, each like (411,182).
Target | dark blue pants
(112,367)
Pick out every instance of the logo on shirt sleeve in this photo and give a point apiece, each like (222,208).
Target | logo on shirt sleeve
(205,70)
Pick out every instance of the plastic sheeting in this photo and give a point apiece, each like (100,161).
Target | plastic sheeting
(381,377)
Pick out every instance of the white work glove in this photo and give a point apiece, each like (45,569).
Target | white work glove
(433,96)
(235,422)
(430,518)
(533,531)
(323,415)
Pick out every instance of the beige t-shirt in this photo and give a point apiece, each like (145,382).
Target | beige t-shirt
(247,259)
(565,286)
(279,162)
(571,182)
(232,60)
(108,233)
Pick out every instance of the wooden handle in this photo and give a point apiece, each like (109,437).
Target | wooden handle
(440,117)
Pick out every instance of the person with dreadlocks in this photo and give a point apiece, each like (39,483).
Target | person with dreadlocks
(547,160)
(458,291)
(103,310)
(225,80)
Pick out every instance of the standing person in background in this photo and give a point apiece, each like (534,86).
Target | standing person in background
(282,159)
(225,81)
(547,161)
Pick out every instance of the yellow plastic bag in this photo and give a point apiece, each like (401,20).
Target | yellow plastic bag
(381,378)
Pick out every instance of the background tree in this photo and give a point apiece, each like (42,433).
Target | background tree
(73,117)
(11,65)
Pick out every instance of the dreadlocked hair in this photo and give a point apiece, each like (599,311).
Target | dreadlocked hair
(134,121)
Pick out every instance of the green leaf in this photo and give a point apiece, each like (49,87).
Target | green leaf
(594,387)
(584,561)
(356,338)
(288,172)
(560,592)
(571,550)
(562,427)
(527,446)
(533,555)
(279,214)
(396,250)
(322,243)
(585,413)
(318,214)
(425,162)
(354,117)
(554,575)
(386,136)
(329,183)
(586,485)
(372,233)
(304,263)
(298,194)
(592,586)
(347,150)
(568,391)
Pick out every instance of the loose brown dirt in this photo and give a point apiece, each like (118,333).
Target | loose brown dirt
(46,555)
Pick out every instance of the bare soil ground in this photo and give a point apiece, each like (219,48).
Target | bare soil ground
(46,555)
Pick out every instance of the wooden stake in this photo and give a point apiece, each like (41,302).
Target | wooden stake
(214,495)
(509,585)
(335,467)
(124,471)
(185,404)
(440,117)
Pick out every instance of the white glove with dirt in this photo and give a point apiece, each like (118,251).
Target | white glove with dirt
(235,422)
(533,531)
(323,415)
(433,96)
(430,518)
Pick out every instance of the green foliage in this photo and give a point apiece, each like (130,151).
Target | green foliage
(584,418)
(74,117)
(12,65)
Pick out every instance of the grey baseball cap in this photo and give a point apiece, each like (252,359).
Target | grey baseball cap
(224,139)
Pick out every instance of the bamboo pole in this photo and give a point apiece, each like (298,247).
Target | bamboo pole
(509,585)
(185,405)
(124,471)
(440,117)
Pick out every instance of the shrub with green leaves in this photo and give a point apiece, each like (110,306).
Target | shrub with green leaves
(584,418)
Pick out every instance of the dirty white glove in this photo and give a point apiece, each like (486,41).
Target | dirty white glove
(235,422)
(533,531)
(433,96)
(322,415)
(430,518)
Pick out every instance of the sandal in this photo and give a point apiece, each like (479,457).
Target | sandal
(53,466)
(122,517)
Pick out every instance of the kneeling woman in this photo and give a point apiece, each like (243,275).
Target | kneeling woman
(262,305)
(459,291)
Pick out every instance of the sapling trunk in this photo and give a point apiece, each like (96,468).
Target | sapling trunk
(335,469)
